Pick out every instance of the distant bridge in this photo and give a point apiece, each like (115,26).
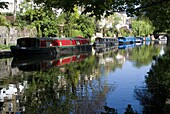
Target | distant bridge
(162,37)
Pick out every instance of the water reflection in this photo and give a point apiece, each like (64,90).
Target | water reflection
(42,63)
(154,96)
(126,46)
(83,83)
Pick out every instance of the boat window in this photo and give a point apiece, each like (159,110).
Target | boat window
(27,42)
(98,40)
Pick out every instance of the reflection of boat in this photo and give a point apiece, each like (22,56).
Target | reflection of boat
(104,44)
(125,46)
(32,59)
(27,46)
(42,63)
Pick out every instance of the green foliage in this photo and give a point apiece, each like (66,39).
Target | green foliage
(41,18)
(3,21)
(75,24)
(77,33)
(44,20)
(142,27)
(86,25)
(157,83)
(156,11)
(20,21)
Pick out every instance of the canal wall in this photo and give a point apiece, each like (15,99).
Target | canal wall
(8,36)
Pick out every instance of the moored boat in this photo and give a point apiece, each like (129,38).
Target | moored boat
(139,39)
(126,40)
(146,38)
(27,46)
(104,43)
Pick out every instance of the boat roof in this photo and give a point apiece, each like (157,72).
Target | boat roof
(52,38)
(106,37)
(126,37)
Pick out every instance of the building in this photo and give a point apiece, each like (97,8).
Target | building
(124,22)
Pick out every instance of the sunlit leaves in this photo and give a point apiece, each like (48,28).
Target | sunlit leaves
(156,11)
(142,27)
(3,21)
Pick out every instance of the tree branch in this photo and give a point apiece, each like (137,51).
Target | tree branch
(152,4)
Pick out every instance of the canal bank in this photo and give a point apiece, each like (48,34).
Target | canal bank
(5,53)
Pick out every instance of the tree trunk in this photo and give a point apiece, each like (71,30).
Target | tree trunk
(15,8)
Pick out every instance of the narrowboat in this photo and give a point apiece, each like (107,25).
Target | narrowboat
(104,43)
(126,40)
(146,38)
(31,46)
(139,41)
(54,45)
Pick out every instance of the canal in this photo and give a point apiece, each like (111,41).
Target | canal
(113,82)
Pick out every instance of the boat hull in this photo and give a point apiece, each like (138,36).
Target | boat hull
(19,51)
(104,44)
(74,49)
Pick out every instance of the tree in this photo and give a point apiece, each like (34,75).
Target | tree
(157,11)
(76,25)
(142,27)
(86,25)
(43,18)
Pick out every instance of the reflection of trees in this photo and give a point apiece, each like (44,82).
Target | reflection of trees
(106,62)
(70,88)
(143,55)
(154,96)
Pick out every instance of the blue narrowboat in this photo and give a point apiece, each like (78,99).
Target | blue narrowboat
(139,39)
(126,40)
(147,38)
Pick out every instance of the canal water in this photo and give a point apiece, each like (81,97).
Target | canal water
(86,83)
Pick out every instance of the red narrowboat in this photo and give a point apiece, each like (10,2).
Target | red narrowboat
(27,46)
